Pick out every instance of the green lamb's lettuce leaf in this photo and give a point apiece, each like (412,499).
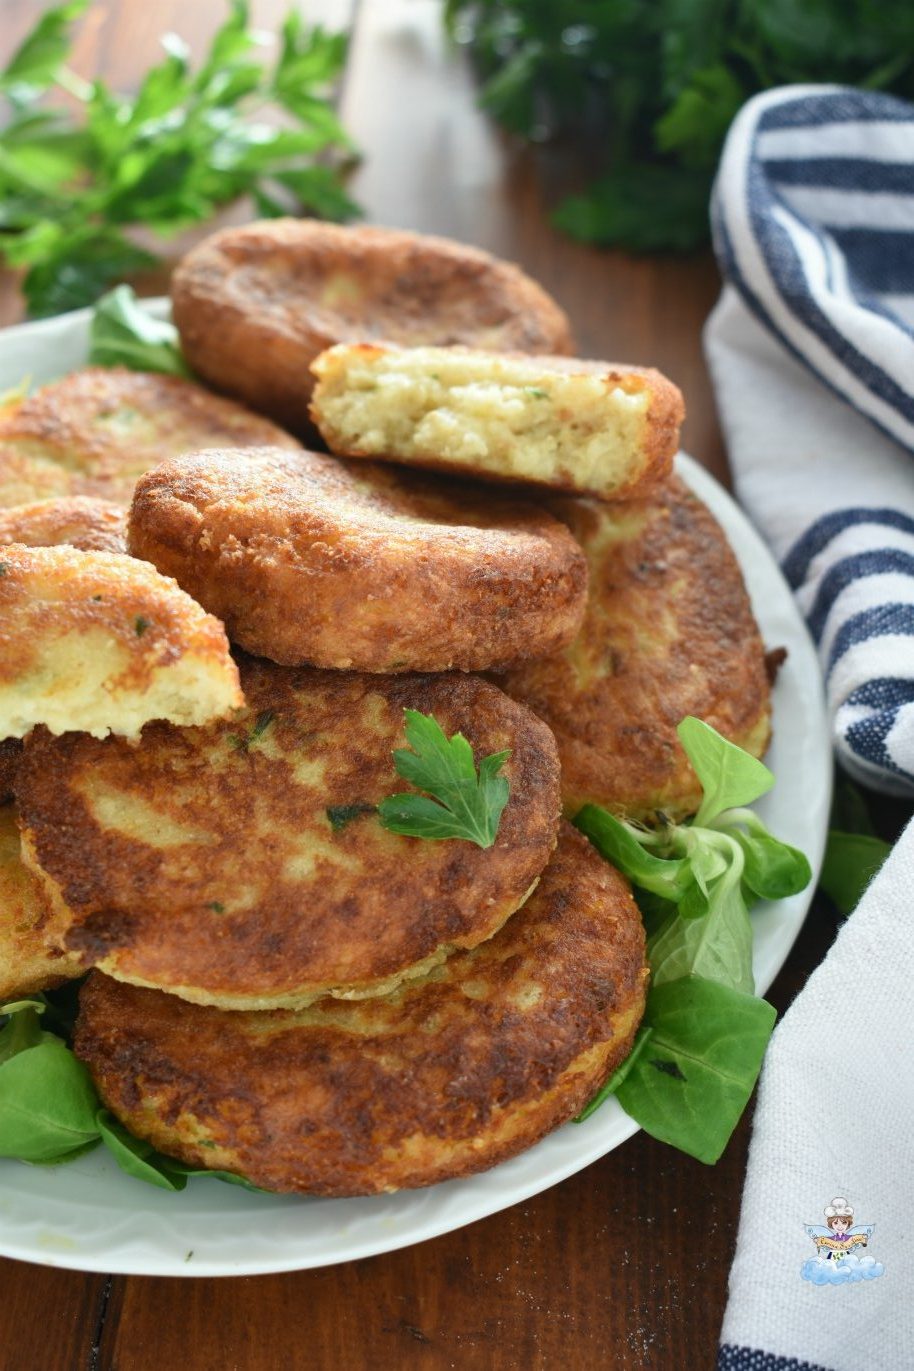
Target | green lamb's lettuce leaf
(716,946)
(618,1076)
(141,1160)
(464,804)
(621,845)
(728,775)
(694,881)
(772,870)
(23,1027)
(692,1083)
(123,334)
(136,1157)
(50,1112)
(851,862)
(47,1102)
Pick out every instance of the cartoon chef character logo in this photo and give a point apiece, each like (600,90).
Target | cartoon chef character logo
(840,1245)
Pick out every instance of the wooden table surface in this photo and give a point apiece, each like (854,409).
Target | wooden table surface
(624,1265)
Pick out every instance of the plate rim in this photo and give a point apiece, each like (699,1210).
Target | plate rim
(754,556)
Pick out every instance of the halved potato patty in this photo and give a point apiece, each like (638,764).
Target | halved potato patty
(28,960)
(78,521)
(102,642)
(440,1079)
(669,631)
(308,559)
(255,305)
(243,864)
(594,427)
(95,431)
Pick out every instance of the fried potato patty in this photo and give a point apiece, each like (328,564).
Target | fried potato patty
(102,642)
(669,631)
(593,427)
(255,305)
(95,431)
(28,960)
(308,559)
(92,525)
(243,864)
(442,1078)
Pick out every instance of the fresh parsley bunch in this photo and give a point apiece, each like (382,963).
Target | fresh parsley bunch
(458,802)
(704,1033)
(188,143)
(650,88)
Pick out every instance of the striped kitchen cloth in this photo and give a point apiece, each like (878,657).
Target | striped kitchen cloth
(811,348)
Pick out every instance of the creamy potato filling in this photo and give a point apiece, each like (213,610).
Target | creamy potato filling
(510,417)
(73,682)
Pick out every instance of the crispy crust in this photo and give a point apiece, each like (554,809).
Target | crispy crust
(669,631)
(10,752)
(255,305)
(441,1079)
(95,431)
(29,961)
(658,441)
(97,635)
(308,559)
(205,861)
(91,525)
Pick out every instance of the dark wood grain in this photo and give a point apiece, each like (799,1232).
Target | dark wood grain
(623,1266)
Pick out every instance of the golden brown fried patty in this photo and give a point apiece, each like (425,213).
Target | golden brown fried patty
(243,864)
(95,431)
(28,961)
(102,642)
(91,525)
(308,559)
(255,305)
(10,752)
(669,631)
(598,428)
(442,1078)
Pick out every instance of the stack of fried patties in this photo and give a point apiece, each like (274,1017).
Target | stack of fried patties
(284,987)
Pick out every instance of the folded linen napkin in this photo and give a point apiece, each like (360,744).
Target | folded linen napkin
(812,353)
(833,1129)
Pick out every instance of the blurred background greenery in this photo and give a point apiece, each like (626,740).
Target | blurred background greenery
(651,86)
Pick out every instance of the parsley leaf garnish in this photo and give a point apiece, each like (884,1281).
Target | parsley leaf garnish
(140,625)
(463,804)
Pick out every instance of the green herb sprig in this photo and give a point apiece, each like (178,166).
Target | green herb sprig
(706,1032)
(189,142)
(651,89)
(50,1112)
(458,802)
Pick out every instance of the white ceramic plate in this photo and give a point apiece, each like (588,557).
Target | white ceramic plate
(90,1216)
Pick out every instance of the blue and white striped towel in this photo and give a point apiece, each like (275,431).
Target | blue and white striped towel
(812,353)
(812,350)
